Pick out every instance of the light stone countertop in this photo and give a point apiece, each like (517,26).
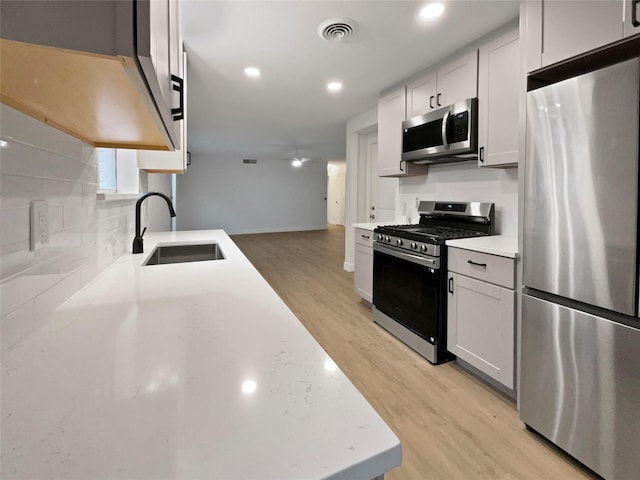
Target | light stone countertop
(501,245)
(372,225)
(184,371)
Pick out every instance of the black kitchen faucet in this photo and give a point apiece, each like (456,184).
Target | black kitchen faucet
(137,241)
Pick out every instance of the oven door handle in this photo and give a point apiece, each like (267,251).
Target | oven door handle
(424,261)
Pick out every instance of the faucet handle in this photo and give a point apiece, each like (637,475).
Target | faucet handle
(143,230)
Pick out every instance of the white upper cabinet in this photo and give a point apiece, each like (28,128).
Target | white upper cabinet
(561,29)
(498,88)
(457,80)
(154,161)
(391,114)
(392,111)
(631,17)
(421,95)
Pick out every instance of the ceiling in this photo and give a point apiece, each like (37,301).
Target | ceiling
(288,111)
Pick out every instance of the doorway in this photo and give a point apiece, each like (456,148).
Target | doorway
(377,202)
(336,183)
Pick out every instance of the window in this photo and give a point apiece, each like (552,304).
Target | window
(118,171)
(108,166)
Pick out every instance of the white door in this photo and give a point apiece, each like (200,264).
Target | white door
(335,195)
(380,198)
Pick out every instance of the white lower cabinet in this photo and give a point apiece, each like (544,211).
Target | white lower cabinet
(364,263)
(481,315)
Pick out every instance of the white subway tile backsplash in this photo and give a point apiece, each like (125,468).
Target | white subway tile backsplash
(86,235)
(19,290)
(29,131)
(17,191)
(466,183)
(14,225)
(29,161)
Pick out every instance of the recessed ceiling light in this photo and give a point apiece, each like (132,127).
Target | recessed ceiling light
(431,11)
(296,162)
(334,86)
(252,72)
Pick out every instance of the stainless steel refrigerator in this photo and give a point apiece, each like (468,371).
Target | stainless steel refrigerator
(580,349)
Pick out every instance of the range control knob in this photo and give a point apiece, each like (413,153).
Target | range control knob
(387,239)
(399,242)
(379,237)
(413,245)
(423,248)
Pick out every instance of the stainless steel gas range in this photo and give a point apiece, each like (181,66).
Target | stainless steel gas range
(410,272)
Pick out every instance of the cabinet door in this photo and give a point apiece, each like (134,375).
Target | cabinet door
(458,80)
(421,95)
(498,88)
(154,161)
(153,45)
(481,326)
(392,110)
(631,17)
(364,272)
(571,27)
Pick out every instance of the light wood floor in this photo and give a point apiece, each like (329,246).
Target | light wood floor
(451,425)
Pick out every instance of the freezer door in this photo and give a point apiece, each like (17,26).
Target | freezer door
(580,385)
(581,181)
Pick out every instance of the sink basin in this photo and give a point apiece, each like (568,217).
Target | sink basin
(185,253)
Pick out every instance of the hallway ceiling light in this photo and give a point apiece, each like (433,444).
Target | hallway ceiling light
(297,162)
(431,11)
(334,86)
(252,72)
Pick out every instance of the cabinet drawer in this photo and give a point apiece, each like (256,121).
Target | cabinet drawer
(364,237)
(485,267)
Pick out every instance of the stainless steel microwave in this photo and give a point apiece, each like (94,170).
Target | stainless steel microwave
(449,134)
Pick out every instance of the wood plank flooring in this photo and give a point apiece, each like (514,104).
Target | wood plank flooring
(451,425)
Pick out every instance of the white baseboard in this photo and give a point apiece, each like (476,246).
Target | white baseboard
(349,267)
(275,230)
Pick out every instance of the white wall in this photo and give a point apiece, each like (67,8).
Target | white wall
(464,182)
(159,219)
(269,196)
(86,235)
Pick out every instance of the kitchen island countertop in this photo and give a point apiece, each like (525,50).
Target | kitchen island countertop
(183,371)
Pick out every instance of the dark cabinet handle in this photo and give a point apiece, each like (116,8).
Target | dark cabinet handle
(481,154)
(364,236)
(401,169)
(450,284)
(438,99)
(634,13)
(178,86)
(431,101)
(483,265)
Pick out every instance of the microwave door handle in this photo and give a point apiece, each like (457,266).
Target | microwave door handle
(445,121)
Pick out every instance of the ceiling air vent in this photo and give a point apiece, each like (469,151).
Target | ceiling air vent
(337,29)
(250,161)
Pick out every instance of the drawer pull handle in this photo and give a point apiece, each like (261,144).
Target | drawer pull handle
(471,262)
(364,236)
(450,284)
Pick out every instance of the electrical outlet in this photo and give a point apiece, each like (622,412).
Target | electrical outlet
(417,202)
(39,223)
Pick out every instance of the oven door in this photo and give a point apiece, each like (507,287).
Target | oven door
(409,289)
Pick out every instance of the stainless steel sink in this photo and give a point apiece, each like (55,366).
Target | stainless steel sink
(185,253)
